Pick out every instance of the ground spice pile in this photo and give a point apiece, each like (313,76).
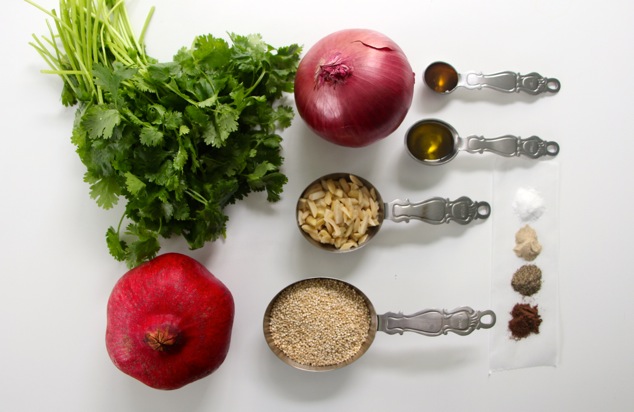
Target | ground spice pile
(527,280)
(319,322)
(528,204)
(525,320)
(527,246)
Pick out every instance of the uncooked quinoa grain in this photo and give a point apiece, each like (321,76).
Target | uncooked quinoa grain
(319,322)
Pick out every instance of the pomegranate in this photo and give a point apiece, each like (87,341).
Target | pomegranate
(169,322)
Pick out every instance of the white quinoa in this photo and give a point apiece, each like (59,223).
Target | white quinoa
(319,322)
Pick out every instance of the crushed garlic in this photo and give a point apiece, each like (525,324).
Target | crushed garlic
(338,212)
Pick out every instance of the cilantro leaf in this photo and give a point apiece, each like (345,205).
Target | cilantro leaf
(211,52)
(151,136)
(133,183)
(100,121)
(116,246)
(145,247)
(105,191)
(110,79)
(180,159)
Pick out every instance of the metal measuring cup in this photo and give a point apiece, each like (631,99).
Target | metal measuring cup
(427,322)
(435,210)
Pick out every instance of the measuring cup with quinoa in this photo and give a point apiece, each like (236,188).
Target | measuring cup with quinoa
(322,324)
(341,212)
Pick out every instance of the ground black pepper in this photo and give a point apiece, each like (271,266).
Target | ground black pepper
(527,280)
(525,320)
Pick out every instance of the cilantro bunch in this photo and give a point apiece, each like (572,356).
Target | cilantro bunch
(178,140)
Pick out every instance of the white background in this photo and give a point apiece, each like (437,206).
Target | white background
(56,273)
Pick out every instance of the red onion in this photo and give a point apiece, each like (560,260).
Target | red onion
(354,87)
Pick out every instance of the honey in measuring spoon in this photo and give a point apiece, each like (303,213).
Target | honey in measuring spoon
(441,77)
(430,141)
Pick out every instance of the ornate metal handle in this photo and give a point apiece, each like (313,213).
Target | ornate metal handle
(532,83)
(434,322)
(437,210)
(510,146)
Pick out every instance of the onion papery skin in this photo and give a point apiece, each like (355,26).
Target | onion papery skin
(367,102)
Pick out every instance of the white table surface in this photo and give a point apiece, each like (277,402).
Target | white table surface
(56,273)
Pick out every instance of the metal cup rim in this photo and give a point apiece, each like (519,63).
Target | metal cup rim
(372,231)
(313,368)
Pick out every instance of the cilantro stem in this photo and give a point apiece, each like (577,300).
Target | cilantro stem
(86,33)
(126,27)
(255,84)
(121,222)
(196,196)
(146,24)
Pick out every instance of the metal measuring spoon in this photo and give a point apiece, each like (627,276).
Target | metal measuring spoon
(436,210)
(434,142)
(428,322)
(442,78)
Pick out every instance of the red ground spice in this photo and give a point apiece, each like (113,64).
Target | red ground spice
(526,320)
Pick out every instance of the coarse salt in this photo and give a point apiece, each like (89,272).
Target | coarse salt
(528,204)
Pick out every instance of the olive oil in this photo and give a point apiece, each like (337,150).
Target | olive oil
(430,141)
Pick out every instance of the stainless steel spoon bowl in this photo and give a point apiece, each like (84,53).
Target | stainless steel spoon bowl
(434,142)
(427,322)
(436,210)
(443,78)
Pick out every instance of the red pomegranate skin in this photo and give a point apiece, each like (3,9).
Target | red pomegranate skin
(169,322)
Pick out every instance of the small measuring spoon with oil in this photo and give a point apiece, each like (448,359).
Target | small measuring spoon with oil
(434,142)
(443,78)
(428,322)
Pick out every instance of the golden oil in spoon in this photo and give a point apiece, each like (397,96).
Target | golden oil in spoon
(430,141)
(441,77)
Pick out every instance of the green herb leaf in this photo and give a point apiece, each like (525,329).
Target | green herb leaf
(151,136)
(116,246)
(133,183)
(105,190)
(110,79)
(100,121)
(145,247)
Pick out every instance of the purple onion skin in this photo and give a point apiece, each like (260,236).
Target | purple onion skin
(354,87)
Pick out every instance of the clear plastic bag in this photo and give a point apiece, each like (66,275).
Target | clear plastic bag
(510,176)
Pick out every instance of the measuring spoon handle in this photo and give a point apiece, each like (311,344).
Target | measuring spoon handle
(510,146)
(437,210)
(435,322)
(532,83)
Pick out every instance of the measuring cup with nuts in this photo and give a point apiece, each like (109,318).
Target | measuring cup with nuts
(341,212)
(322,324)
